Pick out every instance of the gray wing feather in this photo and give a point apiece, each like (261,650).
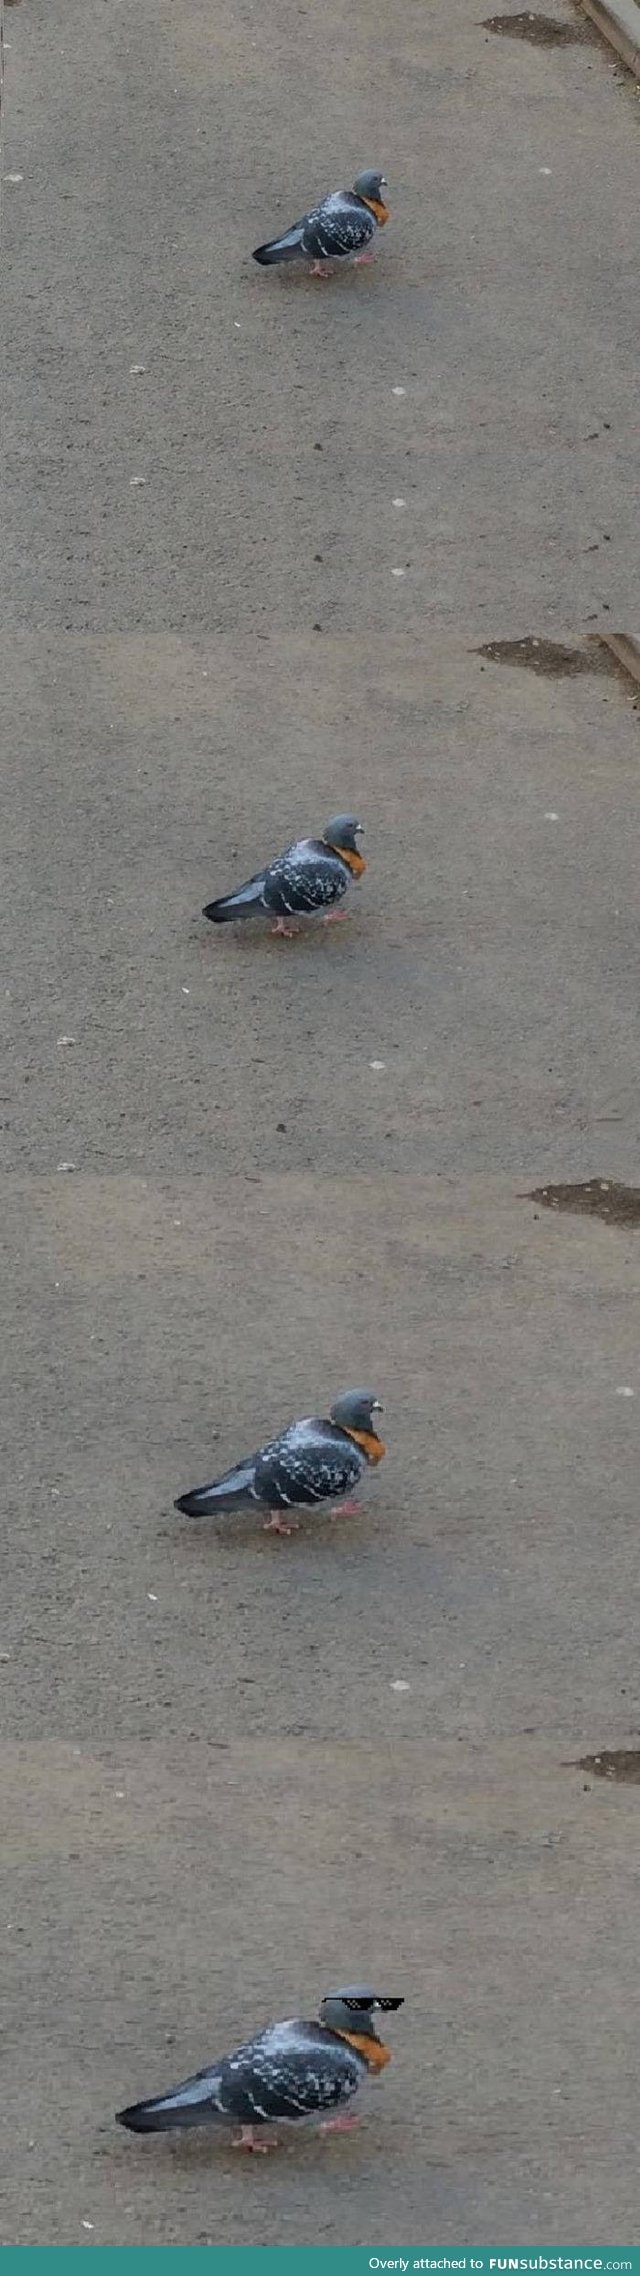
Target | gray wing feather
(340,225)
(271,2079)
(307,876)
(297,1470)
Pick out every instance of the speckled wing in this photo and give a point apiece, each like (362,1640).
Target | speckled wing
(289,2071)
(310,1462)
(342,224)
(307,876)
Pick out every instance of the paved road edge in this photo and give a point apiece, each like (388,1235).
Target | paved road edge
(619,22)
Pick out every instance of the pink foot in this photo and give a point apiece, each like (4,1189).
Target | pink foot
(276,1524)
(320,269)
(338,2125)
(248,2139)
(336,916)
(346,1509)
(361,258)
(287,932)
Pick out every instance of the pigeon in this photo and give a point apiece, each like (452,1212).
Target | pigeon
(306,879)
(340,228)
(316,1460)
(292,2070)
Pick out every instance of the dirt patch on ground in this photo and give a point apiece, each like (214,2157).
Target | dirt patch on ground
(599,1197)
(621,1763)
(541,31)
(552,658)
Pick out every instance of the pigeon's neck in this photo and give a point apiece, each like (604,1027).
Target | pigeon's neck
(376,207)
(355,861)
(375,2054)
(371,1445)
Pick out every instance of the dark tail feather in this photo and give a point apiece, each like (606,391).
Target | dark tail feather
(284,248)
(223,1493)
(232,906)
(156,2117)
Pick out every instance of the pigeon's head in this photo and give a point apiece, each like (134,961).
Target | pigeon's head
(370,187)
(343,832)
(355,1410)
(353,2009)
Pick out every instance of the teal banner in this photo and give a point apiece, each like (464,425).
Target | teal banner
(320,2260)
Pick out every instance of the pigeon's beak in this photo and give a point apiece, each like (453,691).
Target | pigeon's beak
(377,1408)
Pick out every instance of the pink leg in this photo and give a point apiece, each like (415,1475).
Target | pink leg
(249,2139)
(338,2125)
(276,1524)
(288,932)
(336,916)
(361,258)
(347,1509)
(320,269)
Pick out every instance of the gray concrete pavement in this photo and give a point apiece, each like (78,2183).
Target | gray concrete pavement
(215,1800)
